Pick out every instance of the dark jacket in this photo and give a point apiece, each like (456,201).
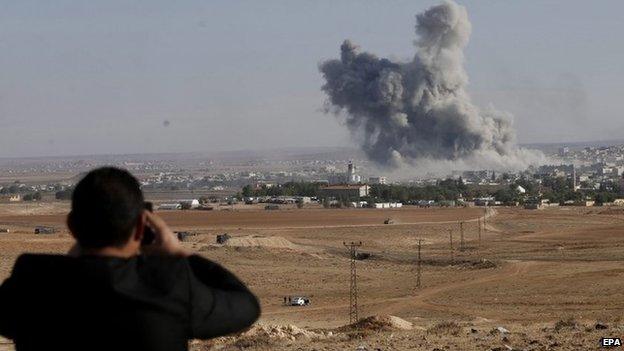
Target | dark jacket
(53,302)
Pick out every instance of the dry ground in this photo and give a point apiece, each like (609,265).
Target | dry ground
(530,270)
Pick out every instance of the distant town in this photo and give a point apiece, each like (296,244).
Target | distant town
(577,175)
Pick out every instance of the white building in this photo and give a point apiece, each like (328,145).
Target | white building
(377,180)
(189,203)
(388,205)
(15,198)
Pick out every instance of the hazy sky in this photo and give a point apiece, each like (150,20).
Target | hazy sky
(82,77)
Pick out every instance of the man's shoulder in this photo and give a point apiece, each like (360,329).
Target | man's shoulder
(171,267)
(29,261)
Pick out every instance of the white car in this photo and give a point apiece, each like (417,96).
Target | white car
(299,301)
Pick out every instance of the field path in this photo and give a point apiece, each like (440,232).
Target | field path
(490,213)
(422,300)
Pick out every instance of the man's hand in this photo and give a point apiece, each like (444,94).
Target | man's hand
(166,242)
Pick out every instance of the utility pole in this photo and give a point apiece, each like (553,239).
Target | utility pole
(484,217)
(353,293)
(451,242)
(418,265)
(479,222)
(461,237)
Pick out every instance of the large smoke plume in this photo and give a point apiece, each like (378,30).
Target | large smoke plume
(404,113)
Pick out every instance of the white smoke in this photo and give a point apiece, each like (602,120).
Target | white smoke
(419,111)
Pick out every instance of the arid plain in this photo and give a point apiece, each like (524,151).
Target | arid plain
(550,279)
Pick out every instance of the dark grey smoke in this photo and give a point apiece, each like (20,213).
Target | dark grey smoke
(406,112)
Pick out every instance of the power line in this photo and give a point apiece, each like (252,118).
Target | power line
(353,291)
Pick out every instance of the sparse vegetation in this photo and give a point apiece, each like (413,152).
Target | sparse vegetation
(32,196)
(568,323)
(445,328)
(64,194)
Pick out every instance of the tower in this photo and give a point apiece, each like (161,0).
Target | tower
(351,176)
(353,290)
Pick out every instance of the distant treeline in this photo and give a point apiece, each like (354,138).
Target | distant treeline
(556,189)
(64,194)
(448,189)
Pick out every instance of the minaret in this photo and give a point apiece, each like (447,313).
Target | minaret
(573,178)
(350,172)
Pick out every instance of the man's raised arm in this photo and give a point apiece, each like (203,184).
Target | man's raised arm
(220,303)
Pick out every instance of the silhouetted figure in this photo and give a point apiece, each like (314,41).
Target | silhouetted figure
(113,293)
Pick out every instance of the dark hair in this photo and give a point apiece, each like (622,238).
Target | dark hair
(106,205)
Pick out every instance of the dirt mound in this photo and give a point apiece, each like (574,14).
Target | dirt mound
(379,323)
(276,242)
(289,331)
(262,335)
(480,264)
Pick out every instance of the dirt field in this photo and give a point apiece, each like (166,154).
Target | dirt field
(546,277)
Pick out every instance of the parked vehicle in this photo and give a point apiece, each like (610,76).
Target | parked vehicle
(299,301)
(44,230)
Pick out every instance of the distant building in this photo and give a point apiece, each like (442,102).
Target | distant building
(563,151)
(484,201)
(388,205)
(303,199)
(377,180)
(15,198)
(347,191)
(189,203)
(263,184)
(358,204)
(586,203)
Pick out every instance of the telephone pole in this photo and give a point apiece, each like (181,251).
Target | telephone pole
(451,242)
(461,236)
(479,222)
(353,291)
(484,217)
(418,265)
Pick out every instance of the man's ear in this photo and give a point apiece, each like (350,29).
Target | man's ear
(70,223)
(139,228)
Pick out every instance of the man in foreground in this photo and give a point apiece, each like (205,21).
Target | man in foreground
(111,292)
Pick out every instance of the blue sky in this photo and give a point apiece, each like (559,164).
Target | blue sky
(82,77)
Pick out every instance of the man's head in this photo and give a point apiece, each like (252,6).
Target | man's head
(107,210)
